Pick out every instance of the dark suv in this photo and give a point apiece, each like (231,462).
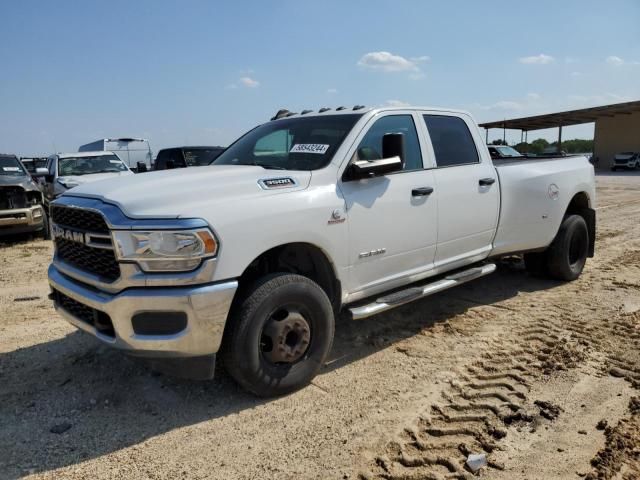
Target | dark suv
(181,157)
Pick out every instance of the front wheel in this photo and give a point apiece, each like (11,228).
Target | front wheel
(279,336)
(46,228)
(568,252)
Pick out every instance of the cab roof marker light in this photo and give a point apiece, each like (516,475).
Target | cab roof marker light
(304,112)
(324,109)
(341,108)
(280,113)
(358,107)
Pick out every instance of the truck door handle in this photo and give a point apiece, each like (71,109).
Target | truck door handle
(422,191)
(485,182)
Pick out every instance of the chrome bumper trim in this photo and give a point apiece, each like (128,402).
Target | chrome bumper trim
(131,276)
(27,220)
(206,306)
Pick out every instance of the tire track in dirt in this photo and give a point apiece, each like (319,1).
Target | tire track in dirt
(482,401)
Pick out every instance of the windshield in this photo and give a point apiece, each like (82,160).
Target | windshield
(508,152)
(11,166)
(291,144)
(87,165)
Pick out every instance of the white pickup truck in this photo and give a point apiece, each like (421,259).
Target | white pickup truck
(357,210)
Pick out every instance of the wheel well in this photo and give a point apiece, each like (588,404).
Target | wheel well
(300,258)
(580,205)
(579,202)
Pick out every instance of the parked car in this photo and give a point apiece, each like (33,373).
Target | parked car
(134,152)
(181,157)
(626,160)
(68,170)
(552,151)
(503,151)
(21,201)
(303,217)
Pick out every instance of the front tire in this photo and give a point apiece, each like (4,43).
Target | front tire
(46,228)
(279,336)
(568,252)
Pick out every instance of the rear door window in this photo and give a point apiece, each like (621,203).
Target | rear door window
(452,141)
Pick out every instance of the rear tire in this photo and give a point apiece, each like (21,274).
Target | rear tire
(568,252)
(279,336)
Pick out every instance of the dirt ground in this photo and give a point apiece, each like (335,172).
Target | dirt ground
(541,377)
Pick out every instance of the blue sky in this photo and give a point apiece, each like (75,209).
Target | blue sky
(203,72)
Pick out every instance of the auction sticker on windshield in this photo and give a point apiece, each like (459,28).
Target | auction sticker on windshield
(11,169)
(310,148)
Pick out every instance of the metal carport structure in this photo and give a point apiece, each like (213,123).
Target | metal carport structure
(567,118)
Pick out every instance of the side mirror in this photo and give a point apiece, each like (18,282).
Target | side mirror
(141,167)
(365,168)
(392,160)
(42,173)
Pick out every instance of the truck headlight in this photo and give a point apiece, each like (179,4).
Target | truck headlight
(165,250)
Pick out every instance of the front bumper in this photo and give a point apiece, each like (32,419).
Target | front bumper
(21,220)
(206,308)
(630,164)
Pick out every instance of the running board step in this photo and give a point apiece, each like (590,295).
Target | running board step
(401,297)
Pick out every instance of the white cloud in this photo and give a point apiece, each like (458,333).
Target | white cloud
(541,59)
(423,58)
(332,91)
(249,82)
(618,62)
(533,96)
(615,61)
(396,103)
(387,62)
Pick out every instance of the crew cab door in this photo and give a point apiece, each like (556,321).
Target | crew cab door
(468,190)
(391,218)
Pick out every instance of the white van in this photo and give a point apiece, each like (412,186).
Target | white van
(134,152)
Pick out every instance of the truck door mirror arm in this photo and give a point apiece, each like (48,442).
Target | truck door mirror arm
(393,156)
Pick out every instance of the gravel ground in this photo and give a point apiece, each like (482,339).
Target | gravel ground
(540,377)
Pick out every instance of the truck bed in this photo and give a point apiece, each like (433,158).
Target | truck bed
(531,189)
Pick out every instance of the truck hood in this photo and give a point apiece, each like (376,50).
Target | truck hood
(23,181)
(175,193)
(92,177)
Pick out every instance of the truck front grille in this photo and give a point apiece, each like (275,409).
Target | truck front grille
(79,219)
(12,197)
(97,319)
(100,261)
